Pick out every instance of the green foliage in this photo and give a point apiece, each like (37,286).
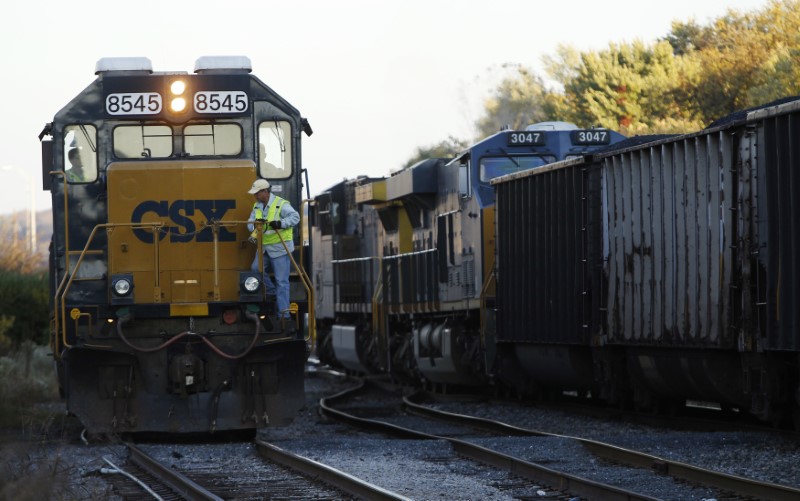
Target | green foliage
(687,37)
(627,86)
(448,148)
(692,76)
(23,308)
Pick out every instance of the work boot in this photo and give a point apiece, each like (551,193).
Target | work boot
(289,328)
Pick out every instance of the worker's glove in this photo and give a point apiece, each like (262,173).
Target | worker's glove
(275,225)
(252,240)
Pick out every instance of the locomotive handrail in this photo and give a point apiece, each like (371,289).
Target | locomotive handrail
(484,291)
(377,294)
(260,242)
(378,327)
(66,281)
(215,231)
(312,321)
(59,298)
(353,259)
(302,228)
(301,272)
(377,288)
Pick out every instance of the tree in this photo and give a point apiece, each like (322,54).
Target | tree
(519,100)
(747,59)
(687,37)
(780,24)
(448,148)
(680,83)
(24,293)
(633,88)
(23,307)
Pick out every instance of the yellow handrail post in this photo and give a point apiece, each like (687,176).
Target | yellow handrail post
(484,291)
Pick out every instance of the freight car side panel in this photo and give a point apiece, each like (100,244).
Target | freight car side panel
(541,266)
(779,232)
(669,261)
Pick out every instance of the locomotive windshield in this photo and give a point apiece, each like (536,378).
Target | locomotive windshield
(213,139)
(143,141)
(155,141)
(492,167)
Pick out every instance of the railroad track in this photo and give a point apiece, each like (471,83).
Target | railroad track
(729,486)
(330,476)
(282,474)
(739,486)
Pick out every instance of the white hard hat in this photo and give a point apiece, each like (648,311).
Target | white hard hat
(258,185)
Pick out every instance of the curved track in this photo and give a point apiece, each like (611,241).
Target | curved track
(562,481)
(740,486)
(731,486)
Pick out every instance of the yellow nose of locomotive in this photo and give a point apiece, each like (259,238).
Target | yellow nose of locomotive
(175,228)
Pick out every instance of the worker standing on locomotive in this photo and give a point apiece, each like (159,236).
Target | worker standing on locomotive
(281,217)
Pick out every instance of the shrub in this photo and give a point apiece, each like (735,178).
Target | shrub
(24,305)
(27,379)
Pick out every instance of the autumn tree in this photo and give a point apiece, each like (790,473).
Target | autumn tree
(632,87)
(682,82)
(747,59)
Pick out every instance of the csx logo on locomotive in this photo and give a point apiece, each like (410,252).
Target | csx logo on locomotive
(180,212)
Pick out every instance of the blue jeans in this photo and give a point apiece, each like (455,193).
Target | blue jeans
(280,267)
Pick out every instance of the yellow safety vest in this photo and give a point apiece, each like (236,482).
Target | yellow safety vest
(273,214)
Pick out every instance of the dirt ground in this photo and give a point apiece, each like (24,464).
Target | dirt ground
(47,458)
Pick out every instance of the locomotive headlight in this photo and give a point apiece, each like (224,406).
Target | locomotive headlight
(250,286)
(177,101)
(122,289)
(178,104)
(177,87)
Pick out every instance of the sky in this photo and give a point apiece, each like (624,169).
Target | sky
(376,79)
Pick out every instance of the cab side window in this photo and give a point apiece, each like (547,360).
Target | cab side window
(80,153)
(275,149)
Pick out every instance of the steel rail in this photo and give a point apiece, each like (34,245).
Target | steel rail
(176,481)
(349,484)
(723,481)
(556,479)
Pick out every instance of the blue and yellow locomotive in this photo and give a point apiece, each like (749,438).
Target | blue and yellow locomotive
(158,324)
(403,266)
